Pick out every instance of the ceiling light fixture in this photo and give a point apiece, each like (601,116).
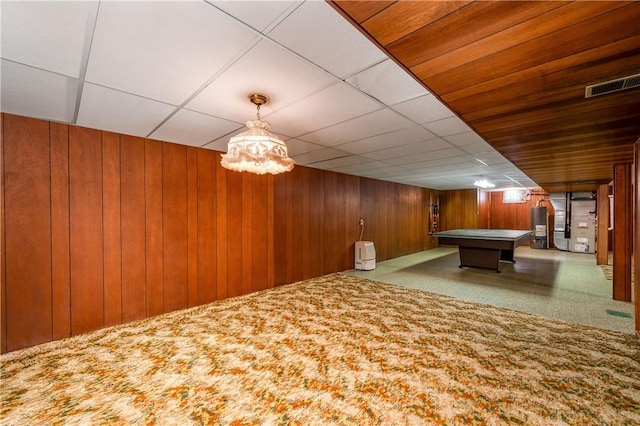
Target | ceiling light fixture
(483,183)
(257,150)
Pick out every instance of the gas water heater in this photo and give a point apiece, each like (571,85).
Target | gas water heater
(539,226)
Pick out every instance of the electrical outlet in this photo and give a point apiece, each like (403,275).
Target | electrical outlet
(361,222)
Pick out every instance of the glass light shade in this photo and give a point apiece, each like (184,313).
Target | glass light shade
(257,151)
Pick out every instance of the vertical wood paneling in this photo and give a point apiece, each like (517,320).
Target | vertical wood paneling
(352,219)
(303,219)
(3,249)
(222,258)
(383,193)
(133,225)
(368,213)
(459,209)
(294,236)
(207,235)
(289,219)
(27,234)
(174,226)
(291,205)
(192,226)
(112,253)
(622,232)
(319,213)
(387,216)
(602,240)
(153,227)
(280,198)
(259,251)
(270,233)
(234,234)
(85,200)
(246,232)
(636,236)
(331,201)
(60,271)
(484,208)
(341,222)
(316,222)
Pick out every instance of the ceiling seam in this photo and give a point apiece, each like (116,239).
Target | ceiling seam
(92,19)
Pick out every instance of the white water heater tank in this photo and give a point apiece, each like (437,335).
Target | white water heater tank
(365,255)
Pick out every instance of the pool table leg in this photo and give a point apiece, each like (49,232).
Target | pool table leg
(477,257)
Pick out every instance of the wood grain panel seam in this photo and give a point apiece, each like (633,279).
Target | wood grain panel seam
(3,251)
(51,227)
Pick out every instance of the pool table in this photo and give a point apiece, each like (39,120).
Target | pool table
(484,248)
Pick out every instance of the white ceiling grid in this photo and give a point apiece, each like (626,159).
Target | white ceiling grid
(181,72)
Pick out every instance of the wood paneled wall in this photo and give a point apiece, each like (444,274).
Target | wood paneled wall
(622,231)
(471,208)
(102,229)
(464,208)
(636,236)
(516,216)
(602,232)
(319,213)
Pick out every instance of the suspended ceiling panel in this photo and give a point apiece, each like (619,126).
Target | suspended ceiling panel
(516,73)
(182,71)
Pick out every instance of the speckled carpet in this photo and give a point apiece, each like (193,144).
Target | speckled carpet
(332,350)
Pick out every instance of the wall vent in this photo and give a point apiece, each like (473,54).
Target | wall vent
(616,85)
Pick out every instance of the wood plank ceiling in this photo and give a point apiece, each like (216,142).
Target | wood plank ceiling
(516,73)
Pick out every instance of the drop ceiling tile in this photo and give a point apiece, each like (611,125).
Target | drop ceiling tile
(361,173)
(424,109)
(462,139)
(389,169)
(490,155)
(163,50)
(400,174)
(46,35)
(373,124)
(409,149)
(477,148)
(396,138)
(320,34)
(388,83)
(219,144)
(103,108)
(298,147)
(497,162)
(259,15)
(334,104)
(195,129)
(268,69)
(35,93)
(432,155)
(447,127)
(309,158)
(349,160)
(363,165)
(459,163)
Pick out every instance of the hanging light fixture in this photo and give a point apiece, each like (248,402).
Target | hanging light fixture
(483,183)
(257,150)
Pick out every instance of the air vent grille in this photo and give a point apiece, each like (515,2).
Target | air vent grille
(612,86)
